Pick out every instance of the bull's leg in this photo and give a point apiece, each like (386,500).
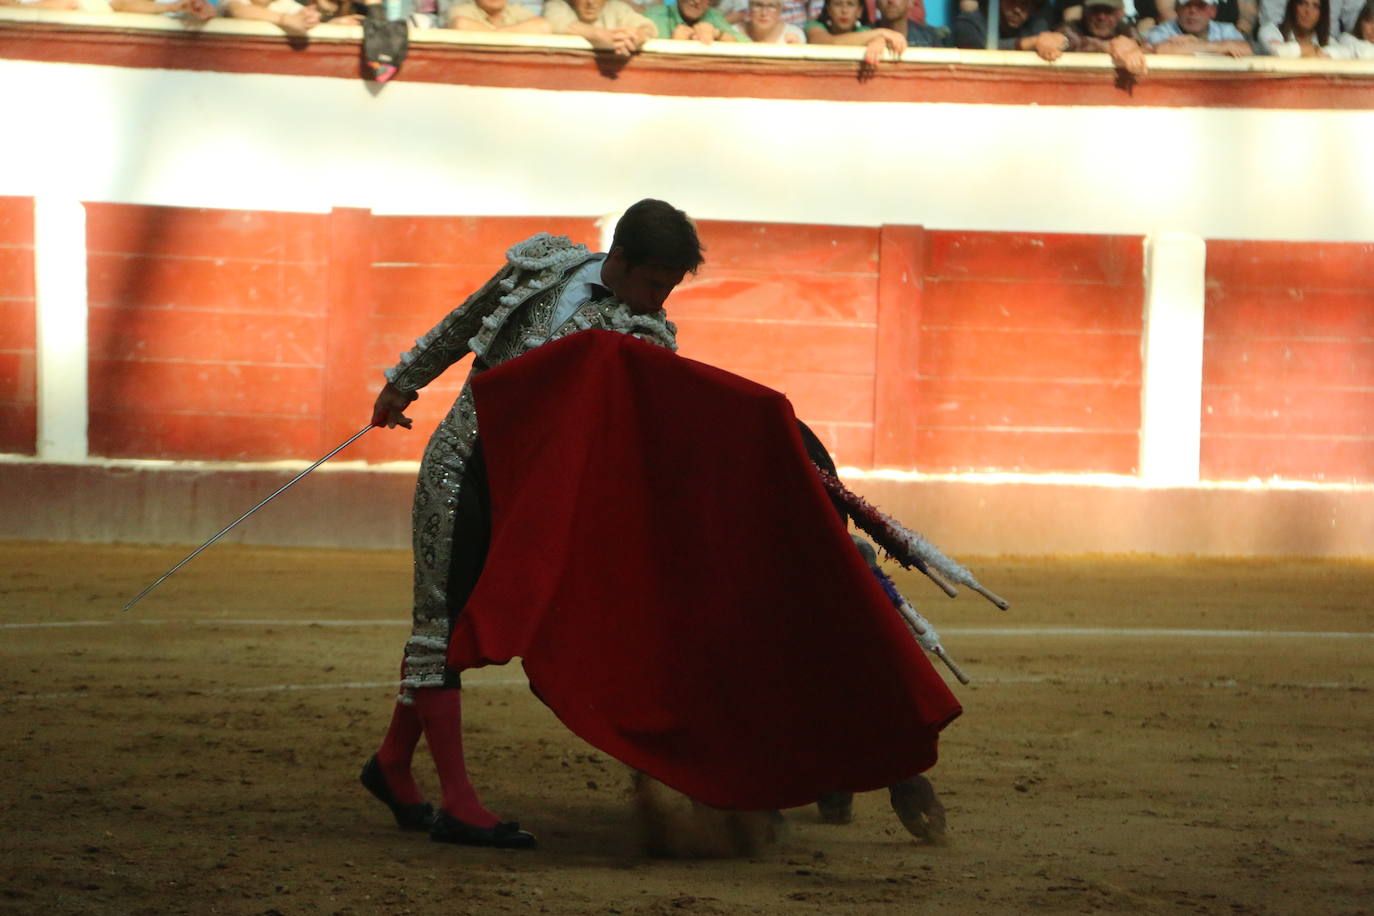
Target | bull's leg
(918,808)
(675,826)
(836,807)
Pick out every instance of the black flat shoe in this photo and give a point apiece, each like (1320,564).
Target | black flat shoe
(408,817)
(445,828)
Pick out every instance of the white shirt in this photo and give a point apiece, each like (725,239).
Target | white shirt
(1359,48)
(1343,13)
(582,286)
(1275,44)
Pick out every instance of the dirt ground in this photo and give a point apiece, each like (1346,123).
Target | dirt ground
(199,754)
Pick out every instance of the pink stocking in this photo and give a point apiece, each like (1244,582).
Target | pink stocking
(398,747)
(441,714)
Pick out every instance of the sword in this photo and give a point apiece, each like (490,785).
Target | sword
(280,490)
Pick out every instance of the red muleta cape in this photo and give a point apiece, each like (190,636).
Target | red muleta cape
(666,562)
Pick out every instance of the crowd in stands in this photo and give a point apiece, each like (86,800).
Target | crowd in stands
(1127,30)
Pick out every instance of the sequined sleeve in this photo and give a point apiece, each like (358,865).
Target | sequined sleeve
(447,342)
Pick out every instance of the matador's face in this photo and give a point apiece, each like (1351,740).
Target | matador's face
(643,287)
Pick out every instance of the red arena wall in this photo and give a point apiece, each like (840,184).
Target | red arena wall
(233,335)
(1029,356)
(251,336)
(793,307)
(1288,383)
(18,344)
(419,268)
(207,332)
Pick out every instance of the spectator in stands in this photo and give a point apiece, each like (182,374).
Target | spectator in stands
(1343,13)
(736,12)
(846,22)
(1023,25)
(1243,14)
(1195,31)
(692,20)
(608,25)
(43,4)
(418,14)
(1360,39)
(1304,32)
(496,16)
(897,15)
(800,12)
(765,25)
(426,14)
(338,12)
(1104,29)
(191,9)
(1146,15)
(288,15)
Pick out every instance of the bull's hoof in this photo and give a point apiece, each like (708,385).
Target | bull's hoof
(836,807)
(918,809)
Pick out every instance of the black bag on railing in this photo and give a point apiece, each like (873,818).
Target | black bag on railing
(385,43)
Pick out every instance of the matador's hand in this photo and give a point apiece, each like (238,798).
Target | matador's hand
(388,409)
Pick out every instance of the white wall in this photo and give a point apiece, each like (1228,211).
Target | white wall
(307,143)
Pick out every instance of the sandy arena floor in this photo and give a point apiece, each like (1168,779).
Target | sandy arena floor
(200,753)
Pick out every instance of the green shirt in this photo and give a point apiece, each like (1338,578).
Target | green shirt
(667,18)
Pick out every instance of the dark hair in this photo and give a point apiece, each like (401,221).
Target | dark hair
(864,18)
(1290,18)
(654,232)
(1366,13)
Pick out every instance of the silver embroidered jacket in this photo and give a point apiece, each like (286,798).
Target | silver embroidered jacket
(511,314)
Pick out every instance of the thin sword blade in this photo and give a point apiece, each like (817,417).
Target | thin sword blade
(227,528)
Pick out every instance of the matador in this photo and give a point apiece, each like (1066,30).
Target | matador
(647,533)
(548,289)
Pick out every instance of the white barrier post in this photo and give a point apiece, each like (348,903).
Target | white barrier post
(1171,383)
(59,268)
